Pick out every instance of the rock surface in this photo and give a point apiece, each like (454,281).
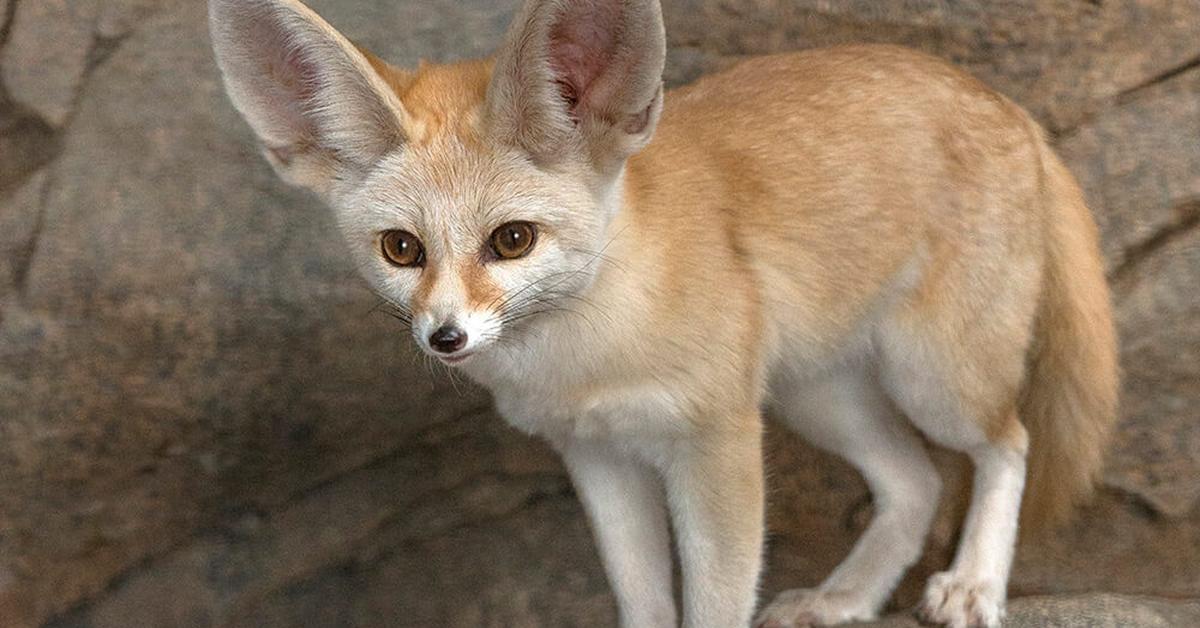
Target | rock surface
(203,423)
(1096,610)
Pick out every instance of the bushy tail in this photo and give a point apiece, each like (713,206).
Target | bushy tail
(1069,403)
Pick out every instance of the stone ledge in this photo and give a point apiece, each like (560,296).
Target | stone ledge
(1089,610)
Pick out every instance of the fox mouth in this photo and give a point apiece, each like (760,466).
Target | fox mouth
(455,359)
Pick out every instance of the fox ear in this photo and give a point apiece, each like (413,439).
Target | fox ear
(313,99)
(582,77)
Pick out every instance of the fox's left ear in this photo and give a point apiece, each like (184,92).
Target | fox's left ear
(580,79)
(318,107)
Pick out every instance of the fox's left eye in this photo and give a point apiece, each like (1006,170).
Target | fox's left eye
(513,239)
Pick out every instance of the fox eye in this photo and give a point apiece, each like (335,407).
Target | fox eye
(402,248)
(513,239)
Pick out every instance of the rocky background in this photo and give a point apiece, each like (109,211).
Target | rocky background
(203,422)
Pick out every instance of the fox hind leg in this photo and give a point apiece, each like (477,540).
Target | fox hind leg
(849,415)
(971,593)
(958,384)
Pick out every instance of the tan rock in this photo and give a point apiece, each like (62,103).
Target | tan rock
(20,215)
(1097,610)
(1138,163)
(47,54)
(1159,311)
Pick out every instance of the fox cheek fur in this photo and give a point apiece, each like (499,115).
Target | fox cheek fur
(864,240)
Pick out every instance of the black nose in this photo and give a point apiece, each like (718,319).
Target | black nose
(448,339)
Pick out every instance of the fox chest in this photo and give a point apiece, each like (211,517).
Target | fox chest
(616,412)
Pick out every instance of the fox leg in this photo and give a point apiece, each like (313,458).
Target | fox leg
(971,593)
(715,489)
(625,504)
(957,377)
(847,414)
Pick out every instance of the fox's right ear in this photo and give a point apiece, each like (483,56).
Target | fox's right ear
(313,99)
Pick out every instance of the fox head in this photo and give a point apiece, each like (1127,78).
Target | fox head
(473,196)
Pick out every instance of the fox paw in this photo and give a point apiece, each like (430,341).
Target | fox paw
(803,608)
(956,601)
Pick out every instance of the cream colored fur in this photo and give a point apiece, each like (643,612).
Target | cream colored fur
(864,238)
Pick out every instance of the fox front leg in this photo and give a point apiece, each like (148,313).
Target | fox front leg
(624,502)
(715,490)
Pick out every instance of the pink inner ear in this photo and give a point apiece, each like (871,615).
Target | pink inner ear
(582,43)
(291,79)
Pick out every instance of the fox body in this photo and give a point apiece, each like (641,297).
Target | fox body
(863,239)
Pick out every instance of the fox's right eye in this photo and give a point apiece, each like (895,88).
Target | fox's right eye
(402,248)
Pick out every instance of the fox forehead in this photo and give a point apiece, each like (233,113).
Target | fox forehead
(453,190)
(450,169)
(439,100)
(447,170)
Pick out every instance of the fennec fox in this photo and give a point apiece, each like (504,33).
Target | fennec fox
(864,240)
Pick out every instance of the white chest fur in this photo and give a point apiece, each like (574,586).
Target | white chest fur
(596,410)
